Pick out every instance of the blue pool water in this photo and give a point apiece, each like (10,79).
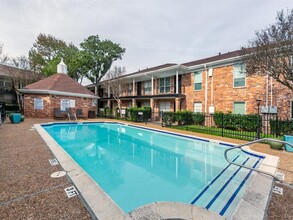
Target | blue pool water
(137,166)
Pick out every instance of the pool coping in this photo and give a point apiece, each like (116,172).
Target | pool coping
(105,208)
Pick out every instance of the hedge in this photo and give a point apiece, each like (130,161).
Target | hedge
(183,118)
(237,121)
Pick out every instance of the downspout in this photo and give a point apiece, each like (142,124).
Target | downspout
(206,90)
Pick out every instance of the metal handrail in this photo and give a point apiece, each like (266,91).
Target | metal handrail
(253,142)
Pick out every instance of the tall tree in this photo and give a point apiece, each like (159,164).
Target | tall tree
(98,57)
(47,52)
(270,52)
(45,49)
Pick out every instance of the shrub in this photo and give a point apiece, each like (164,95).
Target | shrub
(134,114)
(169,118)
(281,127)
(198,118)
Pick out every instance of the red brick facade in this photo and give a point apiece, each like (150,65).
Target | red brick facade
(53,101)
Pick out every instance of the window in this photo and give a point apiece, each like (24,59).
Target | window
(130,90)
(164,106)
(239,75)
(197,107)
(38,103)
(147,88)
(1,83)
(239,108)
(197,81)
(165,85)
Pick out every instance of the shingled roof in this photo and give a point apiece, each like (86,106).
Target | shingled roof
(213,58)
(14,72)
(59,82)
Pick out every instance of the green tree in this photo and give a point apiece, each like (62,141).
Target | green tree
(271,51)
(47,52)
(98,56)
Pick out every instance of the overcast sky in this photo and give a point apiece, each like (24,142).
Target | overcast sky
(153,32)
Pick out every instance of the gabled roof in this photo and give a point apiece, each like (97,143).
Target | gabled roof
(213,58)
(59,82)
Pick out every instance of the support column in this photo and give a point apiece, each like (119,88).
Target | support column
(133,87)
(109,103)
(177,104)
(152,105)
(109,92)
(177,82)
(152,85)
(133,102)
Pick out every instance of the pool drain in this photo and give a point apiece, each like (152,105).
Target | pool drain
(58,174)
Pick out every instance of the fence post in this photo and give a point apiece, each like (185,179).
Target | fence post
(222,124)
(162,114)
(258,127)
(277,123)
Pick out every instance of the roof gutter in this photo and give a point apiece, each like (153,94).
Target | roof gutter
(54,92)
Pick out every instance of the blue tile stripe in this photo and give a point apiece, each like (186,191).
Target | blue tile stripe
(211,183)
(225,185)
(237,190)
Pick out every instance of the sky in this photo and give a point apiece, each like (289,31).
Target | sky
(154,32)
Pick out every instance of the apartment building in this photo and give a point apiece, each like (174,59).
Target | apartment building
(217,83)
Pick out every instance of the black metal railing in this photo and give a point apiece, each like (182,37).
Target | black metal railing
(245,127)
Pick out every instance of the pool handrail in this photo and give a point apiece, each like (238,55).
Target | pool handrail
(250,143)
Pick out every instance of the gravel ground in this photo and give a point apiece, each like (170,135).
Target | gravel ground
(28,191)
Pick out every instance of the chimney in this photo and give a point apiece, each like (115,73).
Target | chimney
(61,67)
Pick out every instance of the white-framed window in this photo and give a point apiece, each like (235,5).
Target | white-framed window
(165,85)
(38,103)
(197,81)
(130,89)
(239,75)
(239,108)
(197,107)
(164,106)
(147,87)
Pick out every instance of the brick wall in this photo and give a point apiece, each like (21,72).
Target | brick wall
(50,102)
(222,94)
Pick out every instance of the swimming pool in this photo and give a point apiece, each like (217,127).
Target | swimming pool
(136,166)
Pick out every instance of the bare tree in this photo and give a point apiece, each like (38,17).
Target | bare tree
(21,62)
(270,52)
(3,57)
(113,81)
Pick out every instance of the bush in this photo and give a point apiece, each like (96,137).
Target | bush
(136,116)
(237,121)
(169,118)
(281,127)
(198,118)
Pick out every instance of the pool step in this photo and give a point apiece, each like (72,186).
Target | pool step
(222,192)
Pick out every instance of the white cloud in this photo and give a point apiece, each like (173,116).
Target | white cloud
(152,31)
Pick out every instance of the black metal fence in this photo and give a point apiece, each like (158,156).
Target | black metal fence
(245,127)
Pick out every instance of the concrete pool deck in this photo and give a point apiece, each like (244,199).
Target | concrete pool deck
(29,192)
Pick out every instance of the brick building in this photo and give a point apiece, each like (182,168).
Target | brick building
(217,83)
(57,91)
